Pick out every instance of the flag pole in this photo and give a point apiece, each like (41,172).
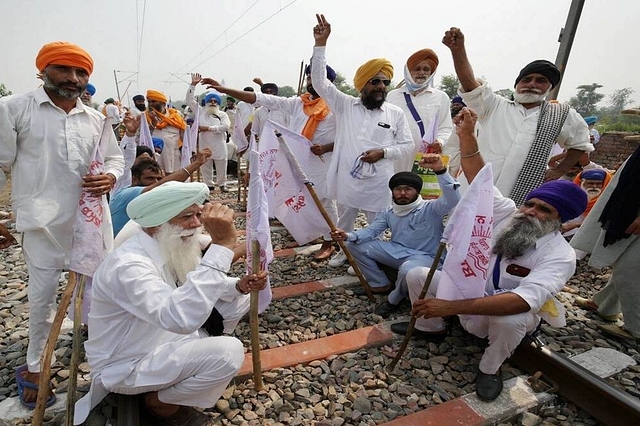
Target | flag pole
(253,320)
(75,353)
(300,78)
(298,170)
(423,293)
(45,358)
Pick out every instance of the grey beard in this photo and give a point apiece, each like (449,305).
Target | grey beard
(521,234)
(182,255)
(63,93)
(529,98)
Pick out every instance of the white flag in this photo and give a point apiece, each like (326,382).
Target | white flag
(289,199)
(92,230)
(468,235)
(145,133)
(258,227)
(238,135)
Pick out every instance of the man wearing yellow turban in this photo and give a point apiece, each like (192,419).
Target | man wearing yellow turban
(48,138)
(370,134)
(167,124)
(426,108)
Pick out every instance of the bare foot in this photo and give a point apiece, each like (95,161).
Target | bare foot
(31,395)
(325,251)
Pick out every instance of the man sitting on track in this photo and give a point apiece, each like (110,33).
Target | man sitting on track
(529,264)
(151,297)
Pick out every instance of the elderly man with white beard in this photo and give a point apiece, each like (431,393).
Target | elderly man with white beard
(517,135)
(213,126)
(529,264)
(593,182)
(153,294)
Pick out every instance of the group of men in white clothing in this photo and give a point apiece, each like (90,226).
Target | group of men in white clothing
(160,307)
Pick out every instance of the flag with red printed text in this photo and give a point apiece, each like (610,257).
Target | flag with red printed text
(289,199)
(468,236)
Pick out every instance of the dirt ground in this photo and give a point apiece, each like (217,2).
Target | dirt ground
(5,194)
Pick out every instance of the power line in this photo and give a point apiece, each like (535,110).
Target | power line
(218,38)
(246,33)
(140,37)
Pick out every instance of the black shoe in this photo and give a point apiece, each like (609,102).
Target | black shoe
(488,386)
(429,336)
(385,309)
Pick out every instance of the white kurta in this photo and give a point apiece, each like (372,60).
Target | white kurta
(262,114)
(431,104)
(508,131)
(359,129)
(48,151)
(315,168)
(138,310)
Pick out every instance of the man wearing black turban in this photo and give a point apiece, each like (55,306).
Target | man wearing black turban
(416,229)
(517,135)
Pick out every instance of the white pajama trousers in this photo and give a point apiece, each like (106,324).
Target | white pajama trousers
(191,372)
(206,170)
(504,332)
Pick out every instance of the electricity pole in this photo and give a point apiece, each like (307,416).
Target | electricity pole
(567,34)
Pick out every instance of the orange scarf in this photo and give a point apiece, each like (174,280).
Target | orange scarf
(317,110)
(172,118)
(578,181)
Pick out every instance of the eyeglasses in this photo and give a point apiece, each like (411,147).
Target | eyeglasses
(376,81)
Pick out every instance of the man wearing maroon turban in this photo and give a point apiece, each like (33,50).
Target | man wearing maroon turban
(48,138)
(529,263)
(370,134)
(426,108)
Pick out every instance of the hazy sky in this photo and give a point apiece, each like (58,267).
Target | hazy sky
(155,43)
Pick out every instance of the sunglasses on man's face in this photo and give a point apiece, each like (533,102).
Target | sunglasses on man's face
(376,81)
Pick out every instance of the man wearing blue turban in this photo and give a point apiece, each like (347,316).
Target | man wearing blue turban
(213,124)
(528,264)
(153,294)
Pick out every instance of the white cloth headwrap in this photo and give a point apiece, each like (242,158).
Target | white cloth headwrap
(165,202)
(412,85)
(405,209)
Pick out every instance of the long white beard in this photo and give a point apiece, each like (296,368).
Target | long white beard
(180,247)
(212,109)
(521,233)
(592,192)
(530,98)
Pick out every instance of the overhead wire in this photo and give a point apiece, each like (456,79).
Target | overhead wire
(246,33)
(218,38)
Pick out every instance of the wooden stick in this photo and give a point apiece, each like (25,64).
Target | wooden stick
(423,293)
(75,353)
(300,78)
(49,347)
(253,320)
(298,170)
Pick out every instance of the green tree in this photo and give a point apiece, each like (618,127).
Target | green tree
(506,93)
(620,98)
(343,86)
(449,84)
(4,91)
(287,91)
(586,99)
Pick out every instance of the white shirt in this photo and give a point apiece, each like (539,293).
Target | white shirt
(551,262)
(315,168)
(216,137)
(262,114)
(359,129)
(113,113)
(508,131)
(49,151)
(137,304)
(431,105)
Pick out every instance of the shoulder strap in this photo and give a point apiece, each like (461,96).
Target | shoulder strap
(414,113)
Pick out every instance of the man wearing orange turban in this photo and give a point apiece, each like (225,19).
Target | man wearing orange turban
(370,134)
(167,124)
(48,138)
(426,108)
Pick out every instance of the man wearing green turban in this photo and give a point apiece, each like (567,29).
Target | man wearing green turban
(159,310)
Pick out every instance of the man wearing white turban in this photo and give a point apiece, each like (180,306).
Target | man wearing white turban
(153,294)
